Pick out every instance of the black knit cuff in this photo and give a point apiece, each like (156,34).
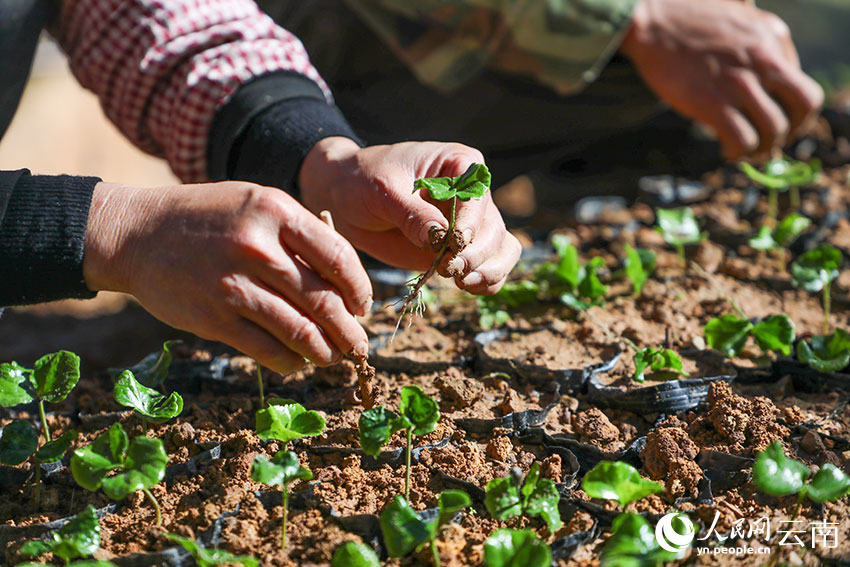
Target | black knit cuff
(268,127)
(42,236)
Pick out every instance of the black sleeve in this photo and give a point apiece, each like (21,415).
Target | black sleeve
(264,132)
(43,221)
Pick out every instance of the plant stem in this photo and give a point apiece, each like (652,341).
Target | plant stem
(826,307)
(260,382)
(407,474)
(44,428)
(435,553)
(37,490)
(155,505)
(772,205)
(283,522)
(680,251)
(795,197)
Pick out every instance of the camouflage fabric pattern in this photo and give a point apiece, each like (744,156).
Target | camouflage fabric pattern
(561,43)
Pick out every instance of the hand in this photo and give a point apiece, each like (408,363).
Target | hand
(369,192)
(728,65)
(233,262)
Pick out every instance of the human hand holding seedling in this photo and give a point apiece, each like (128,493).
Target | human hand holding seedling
(368,192)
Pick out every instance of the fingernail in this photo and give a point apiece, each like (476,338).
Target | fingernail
(366,307)
(456,266)
(473,279)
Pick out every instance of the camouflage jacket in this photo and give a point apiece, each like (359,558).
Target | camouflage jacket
(562,43)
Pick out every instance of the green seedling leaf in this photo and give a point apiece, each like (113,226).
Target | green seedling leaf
(763,240)
(633,543)
(15,387)
(152,370)
(663,362)
(148,404)
(826,353)
(561,244)
(280,470)
(679,226)
(18,442)
(419,409)
(53,451)
(78,538)
(639,264)
(473,184)
(568,267)
(512,295)
(209,557)
(502,498)
(440,188)
(590,286)
(286,421)
(351,554)
(775,333)
(376,426)
(509,497)
(764,179)
(449,503)
(727,334)
(829,483)
(91,464)
(55,375)
(790,228)
(516,548)
(574,302)
(614,480)
(777,475)
(143,468)
(816,268)
(543,503)
(402,527)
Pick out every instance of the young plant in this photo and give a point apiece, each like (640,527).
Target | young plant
(728,333)
(152,370)
(492,308)
(148,404)
(786,231)
(80,537)
(51,379)
(351,554)
(827,353)
(286,421)
(615,480)
(210,557)
(513,496)
(516,548)
(639,265)
(405,530)
(571,281)
(19,442)
(780,175)
(140,464)
(815,271)
(679,228)
(281,470)
(419,415)
(473,184)
(777,475)
(633,542)
(663,364)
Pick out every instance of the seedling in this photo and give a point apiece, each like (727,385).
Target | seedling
(152,370)
(140,464)
(615,480)
(786,231)
(777,475)
(728,333)
(633,542)
(512,496)
(286,421)
(80,537)
(419,416)
(473,184)
(516,548)
(51,379)
(210,557)
(639,265)
(19,442)
(491,308)
(351,554)
(828,353)
(780,175)
(679,228)
(663,363)
(281,470)
(404,530)
(148,404)
(815,271)
(571,281)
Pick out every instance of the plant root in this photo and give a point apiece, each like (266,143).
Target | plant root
(365,376)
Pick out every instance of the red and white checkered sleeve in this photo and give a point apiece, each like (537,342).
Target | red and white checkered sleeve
(162,68)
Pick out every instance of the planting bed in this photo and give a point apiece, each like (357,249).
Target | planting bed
(551,385)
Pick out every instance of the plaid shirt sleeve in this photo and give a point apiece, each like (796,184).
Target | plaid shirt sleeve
(162,68)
